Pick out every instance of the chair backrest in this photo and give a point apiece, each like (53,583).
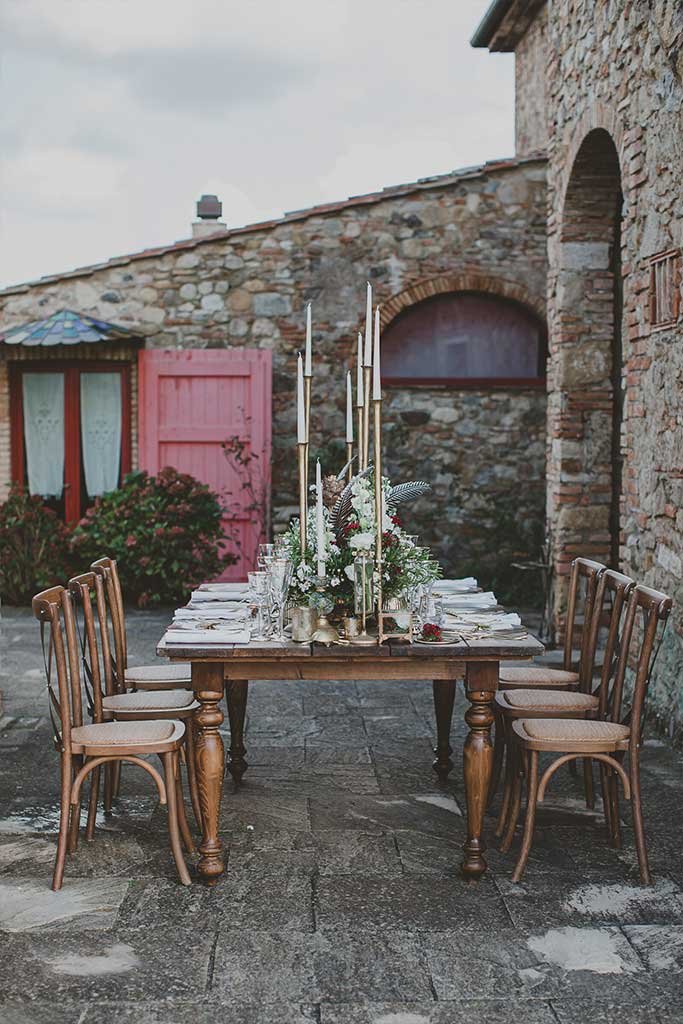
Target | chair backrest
(54,610)
(583,583)
(646,615)
(93,622)
(107,569)
(609,607)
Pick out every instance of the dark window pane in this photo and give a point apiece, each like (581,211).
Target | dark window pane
(461,335)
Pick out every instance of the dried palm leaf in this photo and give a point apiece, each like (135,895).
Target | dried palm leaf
(401,493)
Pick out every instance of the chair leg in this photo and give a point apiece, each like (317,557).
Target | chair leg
(75,821)
(169,760)
(588,783)
(191,772)
(532,794)
(64,819)
(638,827)
(507,782)
(92,804)
(606,801)
(614,809)
(498,755)
(108,786)
(185,833)
(515,798)
(116,786)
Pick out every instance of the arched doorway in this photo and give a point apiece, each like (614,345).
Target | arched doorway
(586,388)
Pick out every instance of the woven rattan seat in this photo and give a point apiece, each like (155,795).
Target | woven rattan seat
(571,730)
(549,700)
(109,734)
(163,673)
(150,700)
(540,676)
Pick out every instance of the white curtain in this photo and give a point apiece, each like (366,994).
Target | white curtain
(101,431)
(44,432)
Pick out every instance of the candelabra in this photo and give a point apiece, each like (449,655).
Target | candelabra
(377,459)
(303,495)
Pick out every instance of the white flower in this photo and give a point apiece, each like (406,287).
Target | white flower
(362,541)
(335,581)
(350,572)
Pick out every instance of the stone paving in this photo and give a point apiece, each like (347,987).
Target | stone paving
(342,902)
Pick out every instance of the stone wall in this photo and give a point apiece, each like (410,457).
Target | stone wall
(615,73)
(482,228)
(531,121)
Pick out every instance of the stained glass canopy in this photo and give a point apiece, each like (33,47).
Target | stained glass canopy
(66,328)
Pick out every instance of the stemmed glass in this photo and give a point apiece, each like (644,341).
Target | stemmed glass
(279,577)
(264,551)
(260,597)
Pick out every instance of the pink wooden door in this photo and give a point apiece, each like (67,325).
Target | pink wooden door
(190,402)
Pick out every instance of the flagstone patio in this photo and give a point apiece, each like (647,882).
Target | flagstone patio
(342,902)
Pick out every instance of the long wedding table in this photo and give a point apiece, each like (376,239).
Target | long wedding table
(229,668)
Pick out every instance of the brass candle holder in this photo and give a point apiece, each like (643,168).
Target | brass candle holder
(364,638)
(325,632)
(307,420)
(377,443)
(349,459)
(367,385)
(361,446)
(303,495)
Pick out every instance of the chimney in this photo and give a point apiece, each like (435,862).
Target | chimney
(209,210)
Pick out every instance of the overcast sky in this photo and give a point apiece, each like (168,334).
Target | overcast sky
(115,115)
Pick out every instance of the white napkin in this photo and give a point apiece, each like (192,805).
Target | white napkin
(224,594)
(212,611)
(211,607)
(176,635)
(241,587)
(507,620)
(455,587)
(486,600)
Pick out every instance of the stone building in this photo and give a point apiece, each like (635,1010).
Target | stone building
(464,250)
(601,86)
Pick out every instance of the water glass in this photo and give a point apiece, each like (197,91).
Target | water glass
(259,594)
(279,577)
(264,551)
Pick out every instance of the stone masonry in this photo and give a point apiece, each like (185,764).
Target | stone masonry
(481,229)
(612,76)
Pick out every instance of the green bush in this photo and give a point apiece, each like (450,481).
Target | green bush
(34,547)
(165,532)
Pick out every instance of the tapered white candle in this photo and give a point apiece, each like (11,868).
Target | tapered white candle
(368,327)
(300,411)
(319,520)
(349,409)
(376,378)
(308,372)
(359,373)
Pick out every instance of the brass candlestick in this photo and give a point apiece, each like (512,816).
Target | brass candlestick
(307,420)
(367,384)
(325,632)
(359,416)
(364,637)
(349,459)
(303,495)
(377,441)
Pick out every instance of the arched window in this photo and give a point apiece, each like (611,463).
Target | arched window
(465,339)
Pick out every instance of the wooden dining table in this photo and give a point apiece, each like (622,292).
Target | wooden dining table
(229,669)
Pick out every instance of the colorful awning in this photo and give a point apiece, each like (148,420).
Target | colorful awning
(66,328)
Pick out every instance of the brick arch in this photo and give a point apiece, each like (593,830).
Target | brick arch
(465,281)
(584,412)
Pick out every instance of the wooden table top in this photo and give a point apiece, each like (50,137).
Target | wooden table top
(267,650)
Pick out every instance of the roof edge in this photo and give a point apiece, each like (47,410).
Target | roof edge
(490,23)
(504,24)
(367,199)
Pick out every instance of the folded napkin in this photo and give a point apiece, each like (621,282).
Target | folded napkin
(505,620)
(213,609)
(224,594)
(241,587)
(485,600)
(177,635)
(456,586)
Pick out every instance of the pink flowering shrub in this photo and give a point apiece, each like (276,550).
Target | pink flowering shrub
(34,547)
(165,532)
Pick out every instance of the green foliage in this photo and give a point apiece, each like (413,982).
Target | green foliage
(34,547)
(165,532)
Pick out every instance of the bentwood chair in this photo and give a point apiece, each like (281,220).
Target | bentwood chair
(84,748)
(583,582)
(607,738)
(139,677)
(609,606)
(106,704)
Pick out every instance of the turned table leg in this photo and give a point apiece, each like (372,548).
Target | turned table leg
(207,683)
(481,684)
(444,695)
(236,696)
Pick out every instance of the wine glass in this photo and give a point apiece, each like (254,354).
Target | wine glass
(264,551)
(279,577)
(259,593)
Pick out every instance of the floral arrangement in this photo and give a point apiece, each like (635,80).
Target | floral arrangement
(432,632)
(350,533)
